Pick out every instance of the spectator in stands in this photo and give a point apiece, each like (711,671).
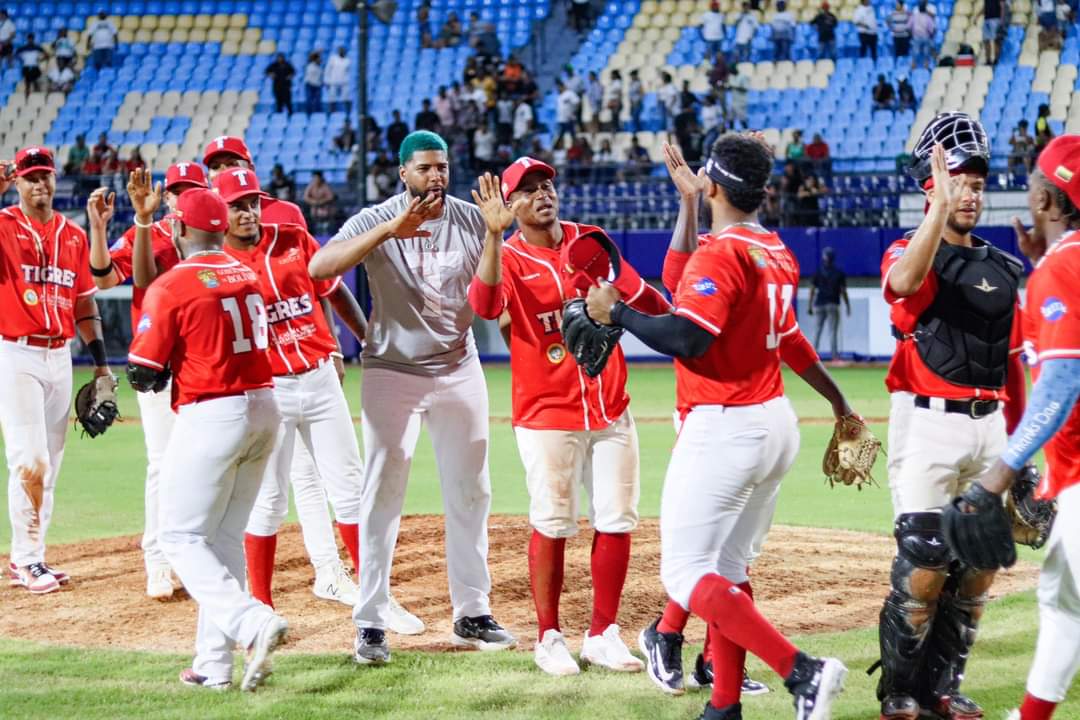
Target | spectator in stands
(134,162)
(594,93)
(817,154)
(488,48)
(30,56)
(103,147)
(426,119)
(7,39)
(712,122)
(827,288)
(1043,132)
(1021,150)
(344,140)
(783,31)
(796,149)
(423,26)
(64,50)
(281,185)
(790,182)
(321,202)
(884,95)
(993,10)
(103,34)
(523,125)
(396,132)
(635,94)
(575,82)
(825,23)
(112,170)
(923,29)
(770,209)
(383,177)
(746,26)
(637,158)
(444,108)
(579,15)
(281,72)
(91,169)
(689,136)
(77,155)
(566,112)
(739,89)
(484,148)
(668,99)
(1048,21)
(580,152)
(718,75)
(808,201)
(900,26)
(866,26)
(313,75)
(450,35)
(712,29)
(490,86)
(613,100)
(504,120)
(468,119)
(539,152)
(558,155)
(336,78)
(905,94)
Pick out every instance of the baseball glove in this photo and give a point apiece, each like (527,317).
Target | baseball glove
(851,453)
(95,405)
(588,341)
(1032,519)
(978,531)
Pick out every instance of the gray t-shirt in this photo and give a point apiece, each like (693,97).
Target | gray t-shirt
(421,320)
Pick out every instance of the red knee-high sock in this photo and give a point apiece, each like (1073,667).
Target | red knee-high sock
(728,661)
(731,613)
(260,550)
(674,618)
(350,535)
(546,556)
(1036,709)
(610,561)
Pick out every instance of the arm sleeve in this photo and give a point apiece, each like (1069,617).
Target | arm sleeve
(156,331)
(674,265)
(488,301)
(120,254)
(797,352)
(1051,403)
(669,334)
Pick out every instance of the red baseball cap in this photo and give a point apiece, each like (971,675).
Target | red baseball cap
(521,167)
(227,144)
(32,159)
(1060,163)
(236,183)
(185,173)
(203,209)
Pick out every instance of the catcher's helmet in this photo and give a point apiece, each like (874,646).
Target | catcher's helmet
(964,140)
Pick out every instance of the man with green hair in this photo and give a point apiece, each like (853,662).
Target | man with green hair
(420,249)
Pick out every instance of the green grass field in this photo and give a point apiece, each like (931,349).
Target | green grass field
(100,495)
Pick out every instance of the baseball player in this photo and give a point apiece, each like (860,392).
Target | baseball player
(420,249)
(205,323)
(48,295)
(739,435)
(332,581)
(112,266)
(307,386)
(957,361)
(571,429)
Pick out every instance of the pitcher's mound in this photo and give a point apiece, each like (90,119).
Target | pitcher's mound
(807,580)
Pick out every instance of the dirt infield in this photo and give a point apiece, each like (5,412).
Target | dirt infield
(807,580)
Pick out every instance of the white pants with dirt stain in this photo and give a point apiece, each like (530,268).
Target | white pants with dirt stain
(158,418)
(35,403)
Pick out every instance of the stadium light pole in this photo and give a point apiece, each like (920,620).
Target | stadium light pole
(361,97)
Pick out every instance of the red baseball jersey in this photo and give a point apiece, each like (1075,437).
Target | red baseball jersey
(1052,330)
(907,371)
(280,212)
(206,320)
(549,390)
(44,270)
(739,286)
(299,334)
(165,257)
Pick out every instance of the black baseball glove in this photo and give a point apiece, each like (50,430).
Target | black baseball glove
(95,405)
(978,530)
(1032,519)
(588,341)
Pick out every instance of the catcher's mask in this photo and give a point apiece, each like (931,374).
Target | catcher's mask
(965,143)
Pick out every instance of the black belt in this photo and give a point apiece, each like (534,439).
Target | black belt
(972,408)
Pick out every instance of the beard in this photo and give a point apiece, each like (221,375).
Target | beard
(962,226)
(423,194)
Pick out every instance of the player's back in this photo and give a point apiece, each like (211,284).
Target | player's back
(740,286)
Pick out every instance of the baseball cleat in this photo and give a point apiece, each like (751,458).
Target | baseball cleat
(482,633)
(607,650)
(749,685)
(16,581)
(258,665)
(731,712)
(193,679)
(663,658)
(900,707)
(37,579)
(815,684)
(333,582)
(401,621)
(956,707)
(553,657)
(371,647)
(1014,714)
(159,583)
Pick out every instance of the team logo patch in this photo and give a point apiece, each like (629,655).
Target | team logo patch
(556,353)
(897,252)
(30,297)
(208,278)
(144,324)
(758,256)
(118,245)
(1053,309)
(705,286)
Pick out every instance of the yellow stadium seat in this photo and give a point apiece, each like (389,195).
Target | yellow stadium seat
(126,36)
(267,47)
(199,35)
(249,48)
(238,20)
(180,35)
(130,22)
(148,22)
(204,21)
(252,35)
(185,21)
(161,36)
(167,22)
(230,47)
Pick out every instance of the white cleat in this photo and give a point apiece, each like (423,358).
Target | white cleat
(159,584)
(607,650)
(401,621)
(1013,715)
(333,582)
(553,657)
(266,642)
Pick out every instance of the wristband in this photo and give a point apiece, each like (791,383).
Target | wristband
(102,272)
(97,352)
(147,226)
(617,311)
(338,355)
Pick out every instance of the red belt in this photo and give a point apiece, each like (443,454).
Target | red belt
(37,341)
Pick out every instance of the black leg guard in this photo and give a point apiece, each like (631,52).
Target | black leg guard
(918,575)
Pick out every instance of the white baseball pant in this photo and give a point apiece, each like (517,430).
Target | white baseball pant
(313,408)
(35,403)
(720,491)
(935,455)
(455,408)
(1057,653)
(214,465)
(558,462)
(158,418)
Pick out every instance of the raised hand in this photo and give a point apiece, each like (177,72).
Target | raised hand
(1030,242)
(498,216)
(407,224)
(944,184)
(100,207)
(7,175)
(600,301)
(686,182)
(144,194)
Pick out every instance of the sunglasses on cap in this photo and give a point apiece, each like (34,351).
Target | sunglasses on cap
(39,161)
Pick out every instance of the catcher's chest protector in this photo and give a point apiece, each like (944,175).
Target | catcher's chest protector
(964,335)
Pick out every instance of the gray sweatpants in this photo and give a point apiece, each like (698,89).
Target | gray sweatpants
(828,313)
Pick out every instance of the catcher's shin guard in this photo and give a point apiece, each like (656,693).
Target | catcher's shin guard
(918,575)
